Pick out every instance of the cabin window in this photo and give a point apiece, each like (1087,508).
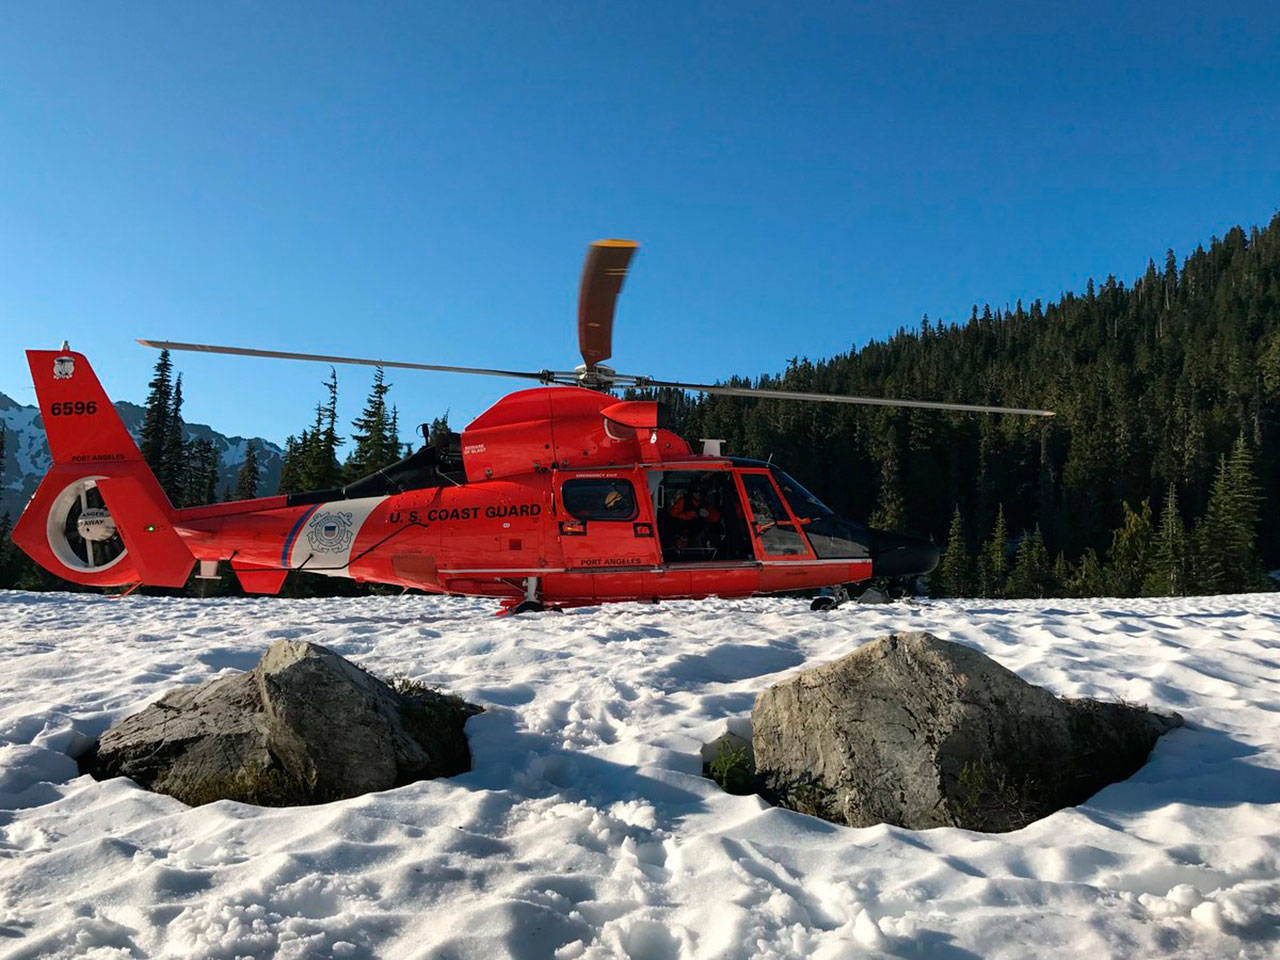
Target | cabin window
(599,499)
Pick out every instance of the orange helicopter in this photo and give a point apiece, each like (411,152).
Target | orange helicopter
(556,496)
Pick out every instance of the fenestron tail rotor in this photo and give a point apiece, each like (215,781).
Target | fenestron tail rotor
(603,273)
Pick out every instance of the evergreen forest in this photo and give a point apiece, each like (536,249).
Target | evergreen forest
(1157,476)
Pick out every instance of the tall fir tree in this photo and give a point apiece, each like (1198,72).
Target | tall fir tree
(248,477)
(890,512)
(204,464)
(993,564)
(1129,559)
(157,421)
(1170,553)
(311,459)
(1031,575)
(954,575)
(1226,538)
(174,455)
(375,443)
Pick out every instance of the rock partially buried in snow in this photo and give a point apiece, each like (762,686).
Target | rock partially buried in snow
(304,726)
(920,732)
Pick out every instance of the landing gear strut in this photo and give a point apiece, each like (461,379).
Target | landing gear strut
(530,603)
(830,598)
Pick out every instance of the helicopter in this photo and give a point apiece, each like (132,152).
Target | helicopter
(558,495)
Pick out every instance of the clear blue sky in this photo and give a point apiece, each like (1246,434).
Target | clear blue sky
(420,181)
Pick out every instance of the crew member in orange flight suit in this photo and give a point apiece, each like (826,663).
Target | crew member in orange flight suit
(695,515)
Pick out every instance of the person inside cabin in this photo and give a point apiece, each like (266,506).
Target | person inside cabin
(696,517)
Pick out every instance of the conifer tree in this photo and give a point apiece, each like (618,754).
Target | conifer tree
(954,574)
(204,463)
(156,422)
(993,564)
(291,466)
(438,432)
(174,455)
(890,513)
(1129,559)
(311,460)
(1030,576)
(326,471)
(1061,575)
(1170,559)
(247,478)
(1225,539)
(1088,579)
(375,443)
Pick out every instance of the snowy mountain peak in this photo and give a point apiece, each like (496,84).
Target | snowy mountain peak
(26,451)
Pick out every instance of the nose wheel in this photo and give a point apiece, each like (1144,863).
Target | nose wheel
(830,598)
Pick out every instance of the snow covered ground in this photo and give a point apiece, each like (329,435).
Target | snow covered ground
(585,829)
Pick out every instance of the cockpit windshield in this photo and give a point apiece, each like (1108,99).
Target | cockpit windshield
(803,503)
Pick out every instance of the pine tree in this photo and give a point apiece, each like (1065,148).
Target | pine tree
(993,564)
(247,478)
(327,471)
(1089,578)
(1031,575)
(204,463)
(156,423)
(376,445)
(954,573)
(291,466)
(438,432)
(1061,574)
(1170,560)
(311,459)
(174,455)
(890,513)
(1226,538)
(1129,559)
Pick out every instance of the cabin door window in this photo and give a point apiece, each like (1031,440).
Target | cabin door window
(771,523)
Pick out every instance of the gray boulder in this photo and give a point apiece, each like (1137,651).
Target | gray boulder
(303,726)
(920,732)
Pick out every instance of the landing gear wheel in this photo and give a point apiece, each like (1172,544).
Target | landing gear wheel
(528,606)
(830,598)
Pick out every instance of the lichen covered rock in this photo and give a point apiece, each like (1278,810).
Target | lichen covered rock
(303,726)
(920,732)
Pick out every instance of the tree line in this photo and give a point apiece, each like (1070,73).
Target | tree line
(1167,394)
(1157,476)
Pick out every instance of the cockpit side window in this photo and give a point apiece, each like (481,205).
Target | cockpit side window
(803,503)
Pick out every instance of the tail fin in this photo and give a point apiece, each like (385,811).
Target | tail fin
(99,517)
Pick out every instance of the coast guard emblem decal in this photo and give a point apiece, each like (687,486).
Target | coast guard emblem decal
(63,367)
(330,532)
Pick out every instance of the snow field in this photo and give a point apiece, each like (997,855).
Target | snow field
(585,829)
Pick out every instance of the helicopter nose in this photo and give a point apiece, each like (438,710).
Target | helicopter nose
(901,555)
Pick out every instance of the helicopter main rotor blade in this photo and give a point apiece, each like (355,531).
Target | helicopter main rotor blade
(603,272)
(833,397)
(542,376)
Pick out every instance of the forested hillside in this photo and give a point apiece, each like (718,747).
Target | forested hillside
(1158,474)
(1153,382)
